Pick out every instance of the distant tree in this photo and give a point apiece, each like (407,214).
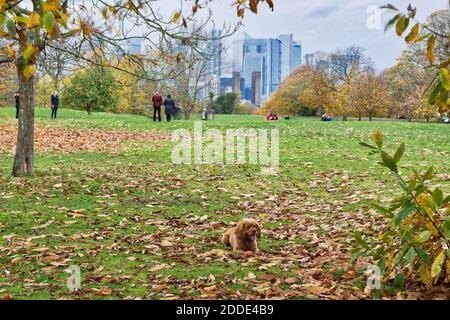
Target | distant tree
(407,83)
(370,95)
(245,107)
(305,92)
(225,103)
(95,85)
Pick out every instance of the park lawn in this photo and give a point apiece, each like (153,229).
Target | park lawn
(140,227)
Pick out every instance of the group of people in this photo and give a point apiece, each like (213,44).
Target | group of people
(170,108)
(54,101)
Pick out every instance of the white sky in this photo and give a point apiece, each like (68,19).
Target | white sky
(322,25)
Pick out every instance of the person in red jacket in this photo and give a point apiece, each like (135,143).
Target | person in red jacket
(157,100)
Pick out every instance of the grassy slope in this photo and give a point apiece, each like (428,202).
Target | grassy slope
(113,211)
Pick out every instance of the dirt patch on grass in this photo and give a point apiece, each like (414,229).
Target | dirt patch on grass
(54,139)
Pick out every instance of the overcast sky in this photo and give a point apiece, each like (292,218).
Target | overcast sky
(324,25)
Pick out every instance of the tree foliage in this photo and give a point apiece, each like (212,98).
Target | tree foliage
(225,103)
(434,36)
(95,85)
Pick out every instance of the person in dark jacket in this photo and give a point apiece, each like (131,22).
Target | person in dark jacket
(169,107)
(55,104)
(157,101)
(17,98)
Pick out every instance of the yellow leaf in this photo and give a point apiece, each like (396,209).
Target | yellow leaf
(436,268)
(34,20)
(413,34)
(425,274)
(176,17)
(28,71)
(430,49)
(28,53)
(11,52)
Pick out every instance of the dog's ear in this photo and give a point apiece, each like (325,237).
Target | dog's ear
(258,230)
(240,229)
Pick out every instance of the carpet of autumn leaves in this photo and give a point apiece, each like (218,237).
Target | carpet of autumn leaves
(55,139)
(141,228)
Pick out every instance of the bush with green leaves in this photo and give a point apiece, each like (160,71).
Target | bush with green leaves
(415,242)
(94,85)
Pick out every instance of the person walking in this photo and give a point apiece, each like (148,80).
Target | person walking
(17,98)
(157,101)
(169,107)
(55,103)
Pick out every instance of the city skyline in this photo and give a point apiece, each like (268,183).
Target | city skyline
(323,25)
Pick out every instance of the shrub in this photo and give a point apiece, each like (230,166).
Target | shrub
(415,243)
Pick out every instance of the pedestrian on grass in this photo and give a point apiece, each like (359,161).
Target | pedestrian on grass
(169,107)
(54,100)
(157,101)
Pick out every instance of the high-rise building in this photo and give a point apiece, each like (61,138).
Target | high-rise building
(273,65)
(286,54)
(296,55)
(255,60)
(262,64)
(309,59)
(213,69)
(256,88)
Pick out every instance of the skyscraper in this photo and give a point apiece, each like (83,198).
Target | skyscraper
(262,64)
(286,54)
(273,65)
(255,60)
(296,55)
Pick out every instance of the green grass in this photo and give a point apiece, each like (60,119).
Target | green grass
(113,210)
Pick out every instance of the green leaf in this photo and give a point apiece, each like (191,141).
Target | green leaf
(404,212)
(429,174)
(438,196)
(361,241)
(400,255)
(402,25)
(399,153)
(423,256)
(410,256)
(49,21)
(388,161)
(11,27)
(423,236)
(435,93)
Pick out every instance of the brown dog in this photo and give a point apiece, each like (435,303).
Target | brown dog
(243,237)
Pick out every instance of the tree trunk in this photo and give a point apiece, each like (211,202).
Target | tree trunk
(24,158)
(370,117)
